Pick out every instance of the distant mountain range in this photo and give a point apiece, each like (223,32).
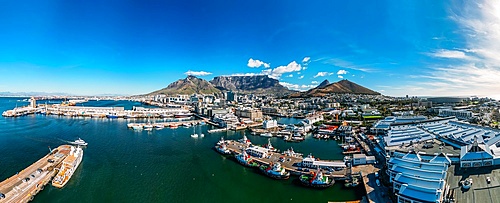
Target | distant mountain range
(340,87)
(30,94)
(256,84)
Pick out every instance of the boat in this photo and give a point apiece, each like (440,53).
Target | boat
(221,141)
(270,146)
(202,135)
(266,135)
(112,116)
(194,135)
(130,125)
(69,166)
(244,140)
(316,180)
(159,126)
(246,160)
(183,115)
(79,142)
(221,148)
(137,127)
(275,170)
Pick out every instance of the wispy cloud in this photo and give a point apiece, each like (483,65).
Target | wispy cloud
(290,76)
(452,54)
(314,82)
(346,64)
(197,73)
(253,63)
(245,74)
(341,72)
(301,77)
(478,70)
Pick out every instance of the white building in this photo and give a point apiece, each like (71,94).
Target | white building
(270,124)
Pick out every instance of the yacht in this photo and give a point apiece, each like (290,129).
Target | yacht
(266,135)
(69,165)
(79,142)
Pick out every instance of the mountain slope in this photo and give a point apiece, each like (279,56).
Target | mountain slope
(323,84)
(343,86)
(189,85)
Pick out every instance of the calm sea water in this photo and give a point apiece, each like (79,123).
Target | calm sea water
(123,165)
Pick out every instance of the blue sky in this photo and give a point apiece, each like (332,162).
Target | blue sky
(427,48)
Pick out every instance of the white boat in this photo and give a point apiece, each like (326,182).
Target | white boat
(202,135)
(69,166)
(79,142)
(148,125)
(194,135)
(159,126)
(137,127)
(266,135)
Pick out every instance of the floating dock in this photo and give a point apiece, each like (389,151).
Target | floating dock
(24,185)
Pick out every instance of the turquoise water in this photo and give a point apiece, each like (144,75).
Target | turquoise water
(123,165)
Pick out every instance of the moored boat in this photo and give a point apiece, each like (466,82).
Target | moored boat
(246,160)
(275,170)
(316,179)
(266,135)
(221,148)
(69,165)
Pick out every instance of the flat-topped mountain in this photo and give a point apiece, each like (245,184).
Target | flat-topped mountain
(249,84)
(188,85)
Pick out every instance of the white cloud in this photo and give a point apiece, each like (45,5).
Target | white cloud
(306,59)
(314,82)
(297,86)
(443,53)
(301,77)
(340,76)
(341,72)
(322,74)
(257,63)
(280,70)
(290,76)
(197,73)
(245,74)
(298,73)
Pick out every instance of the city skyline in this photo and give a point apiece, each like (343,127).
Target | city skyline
(417,48)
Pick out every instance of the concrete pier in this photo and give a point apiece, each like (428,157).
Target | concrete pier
(289,162)
(24,185)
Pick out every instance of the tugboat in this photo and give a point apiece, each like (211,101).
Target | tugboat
(270,146)
(221,148)
(316,180)
(246,160)
(244,140)
(275,171)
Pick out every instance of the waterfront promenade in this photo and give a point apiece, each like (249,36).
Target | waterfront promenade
(24,185)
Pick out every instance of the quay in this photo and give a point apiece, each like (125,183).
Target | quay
(24,185)
(167,124)
(289,163)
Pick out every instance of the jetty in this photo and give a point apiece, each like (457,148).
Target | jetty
(24,185)
(290,163)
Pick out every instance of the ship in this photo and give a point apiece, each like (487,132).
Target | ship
(275,170)
(222,148)
(69,166)
(182,115)
(246,160)
(316,180)
(79,142)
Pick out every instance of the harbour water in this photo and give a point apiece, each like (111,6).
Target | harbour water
(123,165)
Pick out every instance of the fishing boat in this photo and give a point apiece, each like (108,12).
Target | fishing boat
(275,170)
(69,165)
(80,142)
(316,180)
(246,160)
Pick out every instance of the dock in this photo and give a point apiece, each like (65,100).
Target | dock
(18,188)
(291,166)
